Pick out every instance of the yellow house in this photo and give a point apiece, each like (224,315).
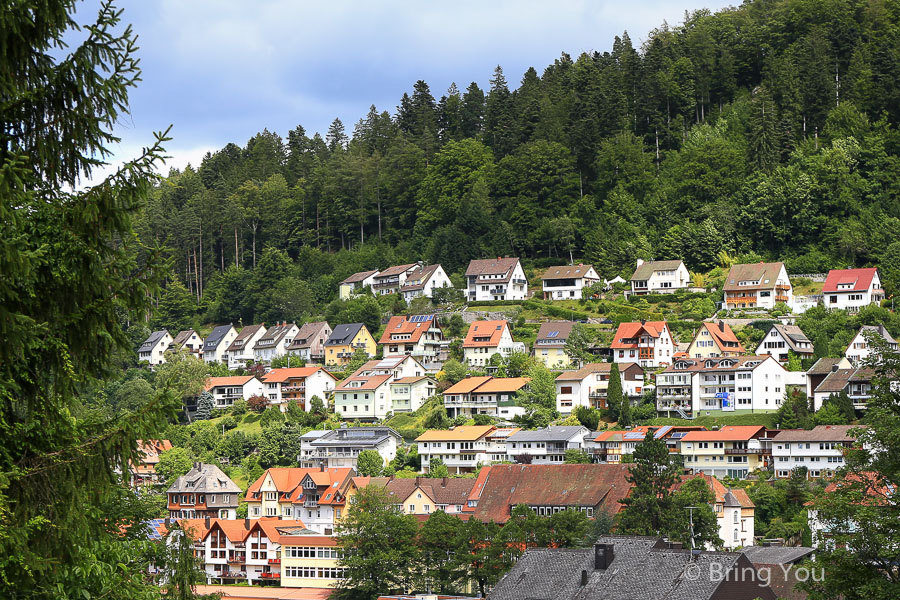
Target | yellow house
(309,560)
(732,451)
(550,344)
(345,340)
(714,340)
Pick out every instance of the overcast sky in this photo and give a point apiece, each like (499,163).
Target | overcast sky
(221,70)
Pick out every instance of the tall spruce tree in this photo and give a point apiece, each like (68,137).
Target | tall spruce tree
(614,394)
(648,510)
(70,280)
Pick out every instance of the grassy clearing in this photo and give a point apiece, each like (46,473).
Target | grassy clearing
(247,425)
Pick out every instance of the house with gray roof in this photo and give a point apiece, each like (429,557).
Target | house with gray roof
(860,348)
(309,343)
(855,381)
(659,277)
(188,340)
(217,342)
(339,448)
(153,350)
(782,339)
(204,491)
(545,446)
(631,568)
(496,279)
(275,341)
(241,349)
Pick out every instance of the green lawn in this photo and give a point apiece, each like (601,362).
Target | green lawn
(767,419)
(248,424)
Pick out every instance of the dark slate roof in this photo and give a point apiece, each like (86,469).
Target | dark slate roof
(642,568)
(776,555)
(151,341)
(215,338)
(367,437)
(550,434)
(342,335)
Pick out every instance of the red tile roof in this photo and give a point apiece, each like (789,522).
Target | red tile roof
(596,485)
(402,325)
(467,385)
(287,480)
(232,380)
(861,279)
(628,331)
(502,384)
(721,333)
(484,334)
(736,433)
(282,375)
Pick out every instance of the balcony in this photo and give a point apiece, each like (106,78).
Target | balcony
(274,561)
(497,290)
(311,503)
(270,575)
(294,388)
(520,281)
(233,575)
(760,451)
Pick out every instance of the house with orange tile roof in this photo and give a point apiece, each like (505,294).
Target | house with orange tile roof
(648,343)
(496,279)
(732,451)
(366,394)
(310,494)
(462,449)
(566,282)
(611,445)
(715,339)
(143,472)
(485,395)
(309,560)
(852,289)
(419,336)
(486,338)
(225,390)
(758,285)
(244,550)
(298,385)
(692,386)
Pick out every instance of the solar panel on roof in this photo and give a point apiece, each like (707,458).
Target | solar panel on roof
(633,435)
(552,334)
(662,431)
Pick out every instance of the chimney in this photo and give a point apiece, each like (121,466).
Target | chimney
(721,325)
(640,261)
(584,577)
(444,482)
(643,321)
(246,522)
(322,467)
(206,522)
(834,368)
(603,556)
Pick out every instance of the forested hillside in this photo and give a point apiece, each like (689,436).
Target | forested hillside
(767,129)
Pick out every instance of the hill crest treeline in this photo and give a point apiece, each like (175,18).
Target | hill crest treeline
(767,129)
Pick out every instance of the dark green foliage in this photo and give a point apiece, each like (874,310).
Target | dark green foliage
(649,507)
(615,396)
(205,406)
(575,456)
(589,417)
(694,492)
(844,406)
(369,463)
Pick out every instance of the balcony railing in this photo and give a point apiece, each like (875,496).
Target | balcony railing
(311,503)
(520,281)
(761,451)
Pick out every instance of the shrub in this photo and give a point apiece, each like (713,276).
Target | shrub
(257,403)
(239,407)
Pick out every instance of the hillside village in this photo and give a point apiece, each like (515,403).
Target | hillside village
(447,412)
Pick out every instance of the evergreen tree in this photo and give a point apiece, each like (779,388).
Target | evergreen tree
(648,509)
(499,118)
(205,406)
(615,397)
(70,280)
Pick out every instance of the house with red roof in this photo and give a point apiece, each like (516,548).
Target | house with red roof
(486,338)
(297,385)
(715,339)
(732,451)
(648,343)
(310,494)
(143,472)
(851,289)
(496,279)
(243,550)
(419,336)
(225,390)
(484,395)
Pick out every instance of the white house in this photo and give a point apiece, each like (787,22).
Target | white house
(240,352)
(389,281)
(419,336)
(341,447)
(735,513)
(546,446)
(243,551)
(486,338)
(659,277)
(309,343)
(851,289)
(566,283)
(462,449)
(190,341)
(588,385)
(275,342)
(217,342)
(356,283)
(649,343)
(782,339)
(298,385)
(366,395)
(820,450)
(725,384)
(855,381)
(423,280)
(759,285)
(226,390)
(485,395)
(408,394)
(153,350)
(496,279)
(859,349)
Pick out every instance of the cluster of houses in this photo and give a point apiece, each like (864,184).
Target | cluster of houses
(287,537)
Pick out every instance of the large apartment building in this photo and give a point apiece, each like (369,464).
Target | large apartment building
(732,451)
(819,450)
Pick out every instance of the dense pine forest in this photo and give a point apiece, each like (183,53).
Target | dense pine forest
(767,130)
